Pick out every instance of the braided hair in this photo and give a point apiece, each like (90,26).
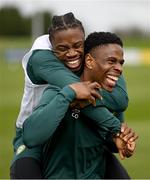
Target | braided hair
(64,22)
(99,39)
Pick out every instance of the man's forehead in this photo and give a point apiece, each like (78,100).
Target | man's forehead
(106,50)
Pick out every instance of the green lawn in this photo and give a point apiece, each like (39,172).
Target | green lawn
(138,84)
(11,89)
(137,115)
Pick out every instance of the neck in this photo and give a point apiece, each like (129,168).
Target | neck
(85,76)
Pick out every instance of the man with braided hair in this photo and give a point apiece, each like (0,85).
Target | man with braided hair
(42,67)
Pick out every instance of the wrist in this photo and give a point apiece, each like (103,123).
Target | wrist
(115,136)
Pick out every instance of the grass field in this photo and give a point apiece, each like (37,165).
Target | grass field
(137,115)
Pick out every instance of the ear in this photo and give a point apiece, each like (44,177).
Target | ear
(89,61)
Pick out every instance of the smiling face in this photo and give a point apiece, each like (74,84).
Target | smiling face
(68,46)
(104,65)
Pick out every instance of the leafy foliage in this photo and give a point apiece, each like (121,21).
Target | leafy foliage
(14,24)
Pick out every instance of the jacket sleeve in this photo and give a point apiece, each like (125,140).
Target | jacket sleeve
(106,122)
(44,120)
(44,67)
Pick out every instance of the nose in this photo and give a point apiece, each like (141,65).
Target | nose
(71,52)
(119,68)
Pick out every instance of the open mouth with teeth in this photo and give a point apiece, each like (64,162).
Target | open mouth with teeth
(110,82)
(73,64)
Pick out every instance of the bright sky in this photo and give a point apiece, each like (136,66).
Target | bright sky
(96,15)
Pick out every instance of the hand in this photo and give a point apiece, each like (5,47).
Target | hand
(120,144)
(87,91)
(127,134)
(125,149)
(128,151)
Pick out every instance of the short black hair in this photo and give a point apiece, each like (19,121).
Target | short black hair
(100,38)
(64,22)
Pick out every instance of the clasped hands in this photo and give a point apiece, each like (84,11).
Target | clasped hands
(125,141)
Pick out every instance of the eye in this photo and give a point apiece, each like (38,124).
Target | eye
(111,61)
(78,45)
(61,48)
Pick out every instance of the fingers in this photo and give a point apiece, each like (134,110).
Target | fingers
(121,154)
(92,100)
(86,91)
(125,149)
(123,127)
(95,85)
(128,151)
(131,147)
(94,90)
(131,137)
(96,94)
(127,134)
(134,138)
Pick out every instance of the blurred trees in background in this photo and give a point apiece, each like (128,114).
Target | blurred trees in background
(13,23)
(132,32)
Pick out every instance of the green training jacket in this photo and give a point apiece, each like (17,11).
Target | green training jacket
(73,146)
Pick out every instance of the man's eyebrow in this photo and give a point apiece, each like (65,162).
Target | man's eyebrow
(61,45)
